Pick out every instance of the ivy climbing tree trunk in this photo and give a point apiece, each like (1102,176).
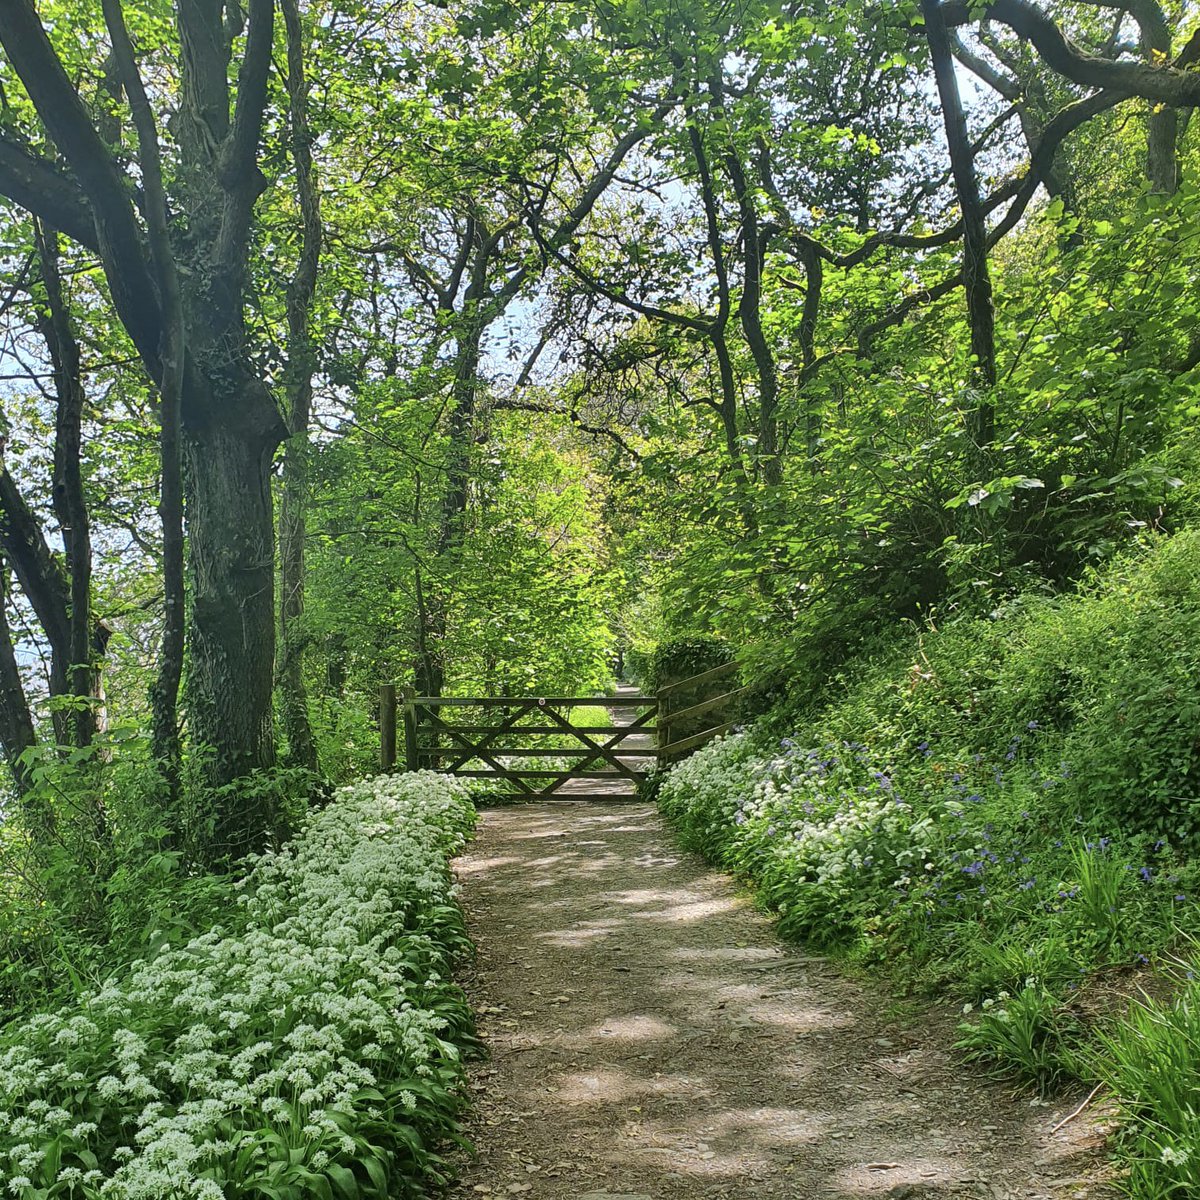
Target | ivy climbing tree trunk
(229,426)
(164,694)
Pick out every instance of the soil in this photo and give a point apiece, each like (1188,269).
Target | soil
(651,1038)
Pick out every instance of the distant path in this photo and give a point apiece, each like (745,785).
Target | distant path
(650,1037)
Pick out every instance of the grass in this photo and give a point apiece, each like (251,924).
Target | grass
(590,714)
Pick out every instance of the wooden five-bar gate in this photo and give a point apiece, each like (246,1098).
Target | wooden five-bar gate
(505,738)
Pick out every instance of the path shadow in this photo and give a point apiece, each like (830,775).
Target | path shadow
(651,1037)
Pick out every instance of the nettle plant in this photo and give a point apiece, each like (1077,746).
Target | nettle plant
(316,1053)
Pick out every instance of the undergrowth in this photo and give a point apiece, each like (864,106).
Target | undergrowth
(314,1050)
(1003,811)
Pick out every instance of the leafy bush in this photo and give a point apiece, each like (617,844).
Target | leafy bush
(1031,1033)
(637,665)
(985,806)
(680,658)
(91,876)
(315,1052)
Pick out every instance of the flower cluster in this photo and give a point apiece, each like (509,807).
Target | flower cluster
(316,1048)
(819,829)
(909,842)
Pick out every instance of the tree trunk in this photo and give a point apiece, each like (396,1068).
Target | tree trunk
(164,692)
(750,313)
(40,575)
(232,631)
(1162,163)
(77,673)
(976,279)
(230,426)
(293,505)
(433,602)
(16,722)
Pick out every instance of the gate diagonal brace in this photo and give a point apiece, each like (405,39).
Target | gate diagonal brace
(477,749)
(480,751)
(598,751)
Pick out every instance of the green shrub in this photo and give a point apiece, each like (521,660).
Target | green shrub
(1151,1062)
(1030,1034)
(92,872)
(984,805)
(681,658)
(637,665)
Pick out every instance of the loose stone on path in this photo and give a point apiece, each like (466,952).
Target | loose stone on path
(650,1038)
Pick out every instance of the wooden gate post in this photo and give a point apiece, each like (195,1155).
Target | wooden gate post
(411,754)
(662,735)
(387,726)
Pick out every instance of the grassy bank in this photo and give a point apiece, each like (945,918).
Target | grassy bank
(1004,811)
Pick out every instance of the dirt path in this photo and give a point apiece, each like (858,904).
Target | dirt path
(651,1039)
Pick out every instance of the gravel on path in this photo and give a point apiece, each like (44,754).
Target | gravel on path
(650,1038)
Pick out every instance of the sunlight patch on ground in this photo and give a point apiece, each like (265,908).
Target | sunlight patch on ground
(632,1027)
(610,1084)
(582,934)
(481,866)
(697,910)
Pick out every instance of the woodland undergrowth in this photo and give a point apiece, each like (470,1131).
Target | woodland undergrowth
(309,1046)
(1003,811)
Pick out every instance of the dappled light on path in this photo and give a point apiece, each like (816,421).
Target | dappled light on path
(651,1038)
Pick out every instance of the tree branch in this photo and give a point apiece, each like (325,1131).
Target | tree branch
(38,186)
(1167,85)
(62,111)
(240,176)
